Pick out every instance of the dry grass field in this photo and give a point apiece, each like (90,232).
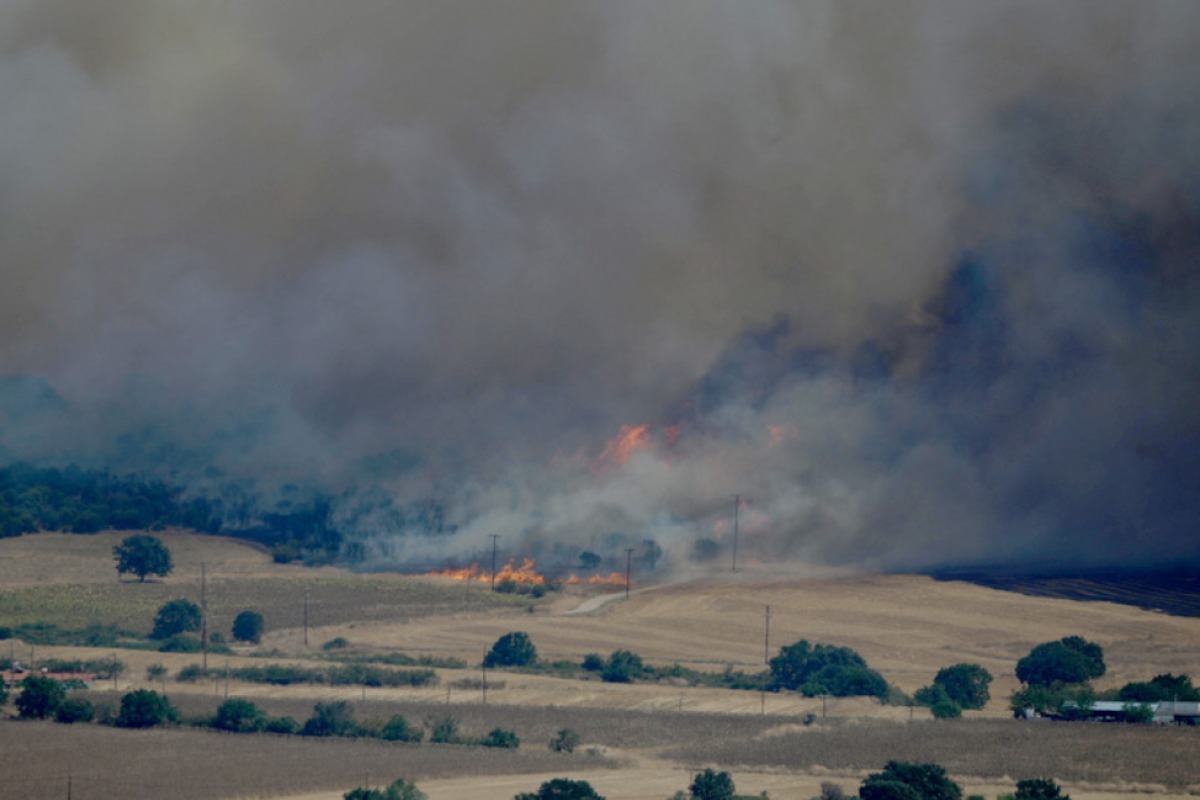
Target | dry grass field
(646,740)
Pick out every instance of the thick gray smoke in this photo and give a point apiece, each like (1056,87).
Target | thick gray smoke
(918,279)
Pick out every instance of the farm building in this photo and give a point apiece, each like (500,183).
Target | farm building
(1165,712)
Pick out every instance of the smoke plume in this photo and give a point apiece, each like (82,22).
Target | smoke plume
(917,280)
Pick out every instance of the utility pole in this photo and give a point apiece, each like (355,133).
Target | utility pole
(767,638)
(204,614)
(306,618)
(737,501)
(628,569)
(494,536)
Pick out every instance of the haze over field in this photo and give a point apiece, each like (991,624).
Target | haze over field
(918,280)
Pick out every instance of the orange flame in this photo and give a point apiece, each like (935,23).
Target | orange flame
(526,573)
(612,579)
(629,440)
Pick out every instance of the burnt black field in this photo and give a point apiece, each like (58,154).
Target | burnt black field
(1175,592)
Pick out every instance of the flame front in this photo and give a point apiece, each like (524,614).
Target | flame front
(526,573)
(629,440)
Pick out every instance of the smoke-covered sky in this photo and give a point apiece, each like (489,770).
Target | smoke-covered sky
(917,279)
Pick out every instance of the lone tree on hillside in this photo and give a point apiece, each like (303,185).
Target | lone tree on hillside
(955,688)
(176,617)
(825,669)
(511,650)
(248,627)
(562,789)
(142,555)
(1071,659)
(710,785)
(901,780)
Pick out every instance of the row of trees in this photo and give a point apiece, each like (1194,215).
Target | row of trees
(898,780)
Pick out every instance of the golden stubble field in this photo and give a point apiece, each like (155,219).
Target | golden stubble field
(906,626)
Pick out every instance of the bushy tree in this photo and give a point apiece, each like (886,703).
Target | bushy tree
(3,693)
(711,785)
(248,627)
(1159,688)
(239,716)
(331,719)
(562,789)
(145,708)
(565,741)
(965,684)
(511,650)
(143,555)
(926,782)
(398,729)
(623,666)
(444,730)
(40,697)
(75,709)
(498,737)
(176,617)
(400,789)
(593,662)
(1039,789)
(825,669)
(1071,659)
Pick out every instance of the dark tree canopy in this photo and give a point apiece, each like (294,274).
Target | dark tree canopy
(965,684)
(623,666)
(248,627)
(145,708)
(825,669)
(710,785)
(239,716)
(926,782)
(175,617)
(1072,659)
(40,697)
(1159,688)
(562,789)
(143,555)
(511,650)
(1039,789)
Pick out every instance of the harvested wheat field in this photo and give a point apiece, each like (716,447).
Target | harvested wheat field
(638,740)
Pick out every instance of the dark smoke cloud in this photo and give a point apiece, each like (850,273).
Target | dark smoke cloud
(918,278)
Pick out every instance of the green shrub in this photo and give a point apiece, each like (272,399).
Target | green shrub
(444,730)
(562,789)
(40,697)
(180,644)
(710,785)
(565,741)
(498,737)
(339,643)
(511,650)
(75,709)
(1039,789)
(398,790)
(922,782)
(248,627)
(284,725)
(398,729)
(144,708)
(175,617)
(331,719)
(946,709)
(623,666)
(239,716)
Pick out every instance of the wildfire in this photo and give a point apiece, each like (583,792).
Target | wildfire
(526,573)
(612,579)
(629,440)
